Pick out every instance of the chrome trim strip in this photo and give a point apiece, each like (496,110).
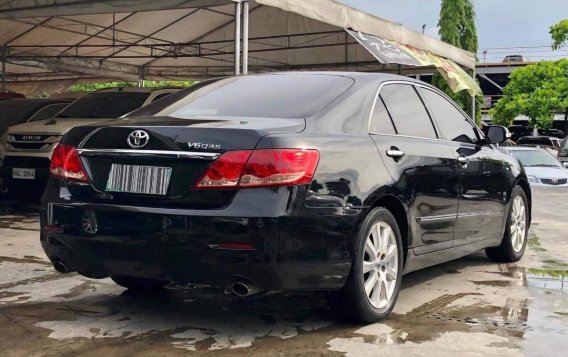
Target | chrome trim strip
(127,152)
(444,217)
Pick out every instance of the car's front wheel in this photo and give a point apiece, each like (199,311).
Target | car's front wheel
(515,239)
(139,284)
(374,282)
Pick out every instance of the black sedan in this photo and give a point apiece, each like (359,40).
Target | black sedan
(338,182)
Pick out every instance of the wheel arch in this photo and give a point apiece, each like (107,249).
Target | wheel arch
(398,210)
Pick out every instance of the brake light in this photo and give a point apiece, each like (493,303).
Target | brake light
(65,163)
(261,168)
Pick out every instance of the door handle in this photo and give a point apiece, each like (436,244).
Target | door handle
(395,153)
(463,160)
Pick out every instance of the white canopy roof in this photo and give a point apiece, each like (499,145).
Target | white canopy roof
(51,44)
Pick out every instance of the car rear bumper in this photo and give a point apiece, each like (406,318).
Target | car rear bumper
(290,253)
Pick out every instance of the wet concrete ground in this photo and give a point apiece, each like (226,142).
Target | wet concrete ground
(467,307)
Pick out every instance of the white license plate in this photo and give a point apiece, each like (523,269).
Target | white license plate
(149,180)
(25,174)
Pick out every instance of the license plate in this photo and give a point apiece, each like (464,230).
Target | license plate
(149,180)
(25,174)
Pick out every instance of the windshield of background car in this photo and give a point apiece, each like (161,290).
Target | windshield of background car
(14,112)
(104,105)
(535,158)
(534,141)
(268,96)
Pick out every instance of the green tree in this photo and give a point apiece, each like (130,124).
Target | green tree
(457,27)
(559,33)
(538,91)
(89,87)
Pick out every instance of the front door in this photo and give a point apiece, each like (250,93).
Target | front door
(422,166)
(481,184)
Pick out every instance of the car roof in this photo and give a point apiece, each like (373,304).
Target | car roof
(133,90)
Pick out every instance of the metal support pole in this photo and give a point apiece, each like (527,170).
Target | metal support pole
(238,8)
(3,69)
(473,102)
(245,36)
(141,76)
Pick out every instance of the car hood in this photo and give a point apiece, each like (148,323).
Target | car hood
(546,172)
(52,126)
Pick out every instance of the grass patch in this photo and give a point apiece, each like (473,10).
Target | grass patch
(555,262)
(534,243)
(561,313)
(549,273)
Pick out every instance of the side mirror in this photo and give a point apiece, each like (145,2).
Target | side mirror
(495,134)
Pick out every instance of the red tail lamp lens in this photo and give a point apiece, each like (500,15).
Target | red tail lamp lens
(65,163)
(225,171)
(261,168)
(267,168)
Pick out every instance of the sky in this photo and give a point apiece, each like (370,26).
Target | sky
(503,26)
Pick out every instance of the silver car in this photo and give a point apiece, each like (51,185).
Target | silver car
(541,167)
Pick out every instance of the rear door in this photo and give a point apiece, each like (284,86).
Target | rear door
(482,179)
(421,165)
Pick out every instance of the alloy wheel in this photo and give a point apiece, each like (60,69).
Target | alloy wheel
(518,224)
(380,265)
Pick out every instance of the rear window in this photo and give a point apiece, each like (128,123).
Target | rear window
(104,105)
(269,96)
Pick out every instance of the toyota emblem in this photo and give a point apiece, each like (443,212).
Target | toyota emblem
(138,139)
(555,181)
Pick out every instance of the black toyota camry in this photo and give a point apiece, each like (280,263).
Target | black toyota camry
(338,182)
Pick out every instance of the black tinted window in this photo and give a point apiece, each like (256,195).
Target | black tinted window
(270,96)
(48,112)
(104,105)
(452,123)
(407,111)
(17,111)
(381,122)
(160,96)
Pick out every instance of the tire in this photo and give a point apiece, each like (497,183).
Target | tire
(378,304)
(515,237)
(139,284)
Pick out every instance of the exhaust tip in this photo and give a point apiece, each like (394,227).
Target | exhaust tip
(240,289)
(244,288)
(59,266)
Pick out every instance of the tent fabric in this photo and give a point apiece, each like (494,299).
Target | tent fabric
(66,40)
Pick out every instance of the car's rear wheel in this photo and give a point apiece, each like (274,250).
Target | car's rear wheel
(139,284)
(374,282)
(515,239)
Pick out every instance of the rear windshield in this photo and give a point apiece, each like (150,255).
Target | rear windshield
(268,96)
(104,105)
(17,111)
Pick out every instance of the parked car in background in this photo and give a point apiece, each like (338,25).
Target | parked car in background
(28,147)
(549,143)
(300,181)
(514,59)
(11,95)
(17,111)
(541,167)
(563,152)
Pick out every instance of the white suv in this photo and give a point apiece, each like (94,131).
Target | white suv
(27,148)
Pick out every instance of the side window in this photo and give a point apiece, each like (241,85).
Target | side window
(453,124)
(381,122)
(160,96)
(407,111)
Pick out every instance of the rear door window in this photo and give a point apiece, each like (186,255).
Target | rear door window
(452,123)
(408,113)
(381,122)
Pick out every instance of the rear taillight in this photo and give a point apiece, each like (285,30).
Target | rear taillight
(261,168)
(65,163)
